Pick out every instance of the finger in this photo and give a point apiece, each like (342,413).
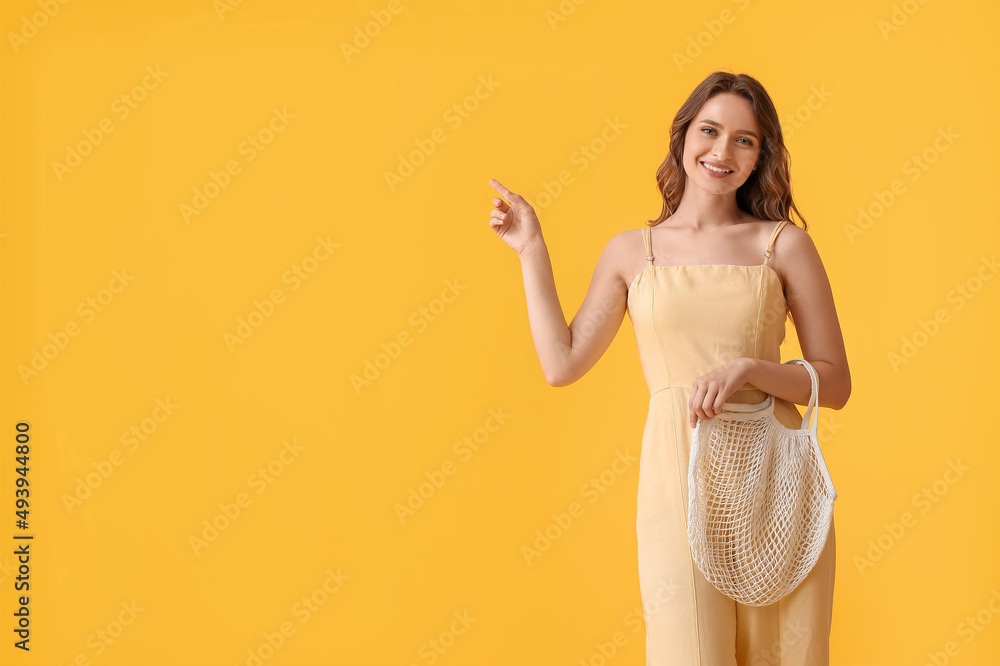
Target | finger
(500,215)
(500,188)
(501,204)
(709,403)
(699,403)
(513,197)
(693,402)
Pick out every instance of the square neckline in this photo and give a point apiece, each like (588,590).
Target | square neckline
(760,265)
(647,243)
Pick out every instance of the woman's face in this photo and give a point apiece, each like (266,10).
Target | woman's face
(723,134)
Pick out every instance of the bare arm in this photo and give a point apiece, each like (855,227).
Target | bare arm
(810,300)
(566,352)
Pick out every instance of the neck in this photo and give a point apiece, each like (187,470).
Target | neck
(701,210)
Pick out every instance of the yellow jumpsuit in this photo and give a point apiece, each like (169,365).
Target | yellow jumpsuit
(688,320)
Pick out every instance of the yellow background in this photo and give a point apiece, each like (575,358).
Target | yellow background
(561,71)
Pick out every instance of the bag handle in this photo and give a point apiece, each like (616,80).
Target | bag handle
(813,404)
(813,395)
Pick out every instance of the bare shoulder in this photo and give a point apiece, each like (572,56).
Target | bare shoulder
(793,251)
(623,238)
(625,253)
(792,241)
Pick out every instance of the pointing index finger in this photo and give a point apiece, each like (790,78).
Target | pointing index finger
(500,188)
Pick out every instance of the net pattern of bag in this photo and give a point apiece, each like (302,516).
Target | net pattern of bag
(760,499)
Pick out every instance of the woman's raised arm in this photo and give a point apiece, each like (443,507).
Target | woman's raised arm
(566,352)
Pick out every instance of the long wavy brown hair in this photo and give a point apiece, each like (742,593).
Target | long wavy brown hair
(767,193)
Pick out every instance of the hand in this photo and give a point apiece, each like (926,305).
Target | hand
(515,223)
(711,390)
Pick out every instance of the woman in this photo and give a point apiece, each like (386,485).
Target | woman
(708,285)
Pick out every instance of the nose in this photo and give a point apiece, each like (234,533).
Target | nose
(720,153)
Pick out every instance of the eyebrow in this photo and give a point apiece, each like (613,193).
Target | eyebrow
(717,124)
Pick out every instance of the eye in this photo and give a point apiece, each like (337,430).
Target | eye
(748,143)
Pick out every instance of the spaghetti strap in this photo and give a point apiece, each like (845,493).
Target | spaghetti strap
(770,243)
(648,243)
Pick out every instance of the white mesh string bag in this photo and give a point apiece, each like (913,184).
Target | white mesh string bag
(760,499)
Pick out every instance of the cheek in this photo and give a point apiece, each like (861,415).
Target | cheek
(692,150)
(696,145)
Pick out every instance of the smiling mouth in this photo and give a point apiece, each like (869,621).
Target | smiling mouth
(714,169)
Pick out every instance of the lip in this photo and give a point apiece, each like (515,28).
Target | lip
(717,165)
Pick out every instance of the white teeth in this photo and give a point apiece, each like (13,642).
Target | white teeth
(716,170)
